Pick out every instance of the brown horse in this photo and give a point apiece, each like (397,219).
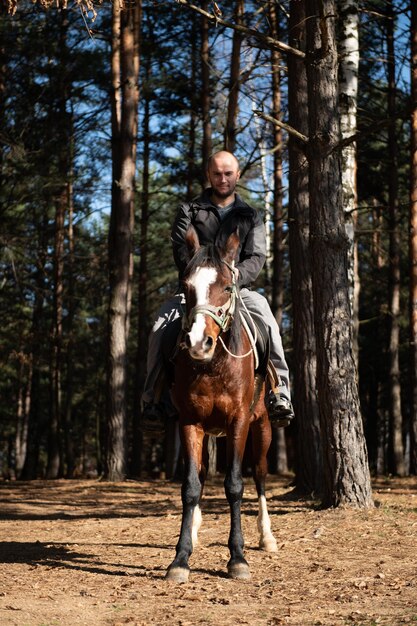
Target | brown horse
(214,392)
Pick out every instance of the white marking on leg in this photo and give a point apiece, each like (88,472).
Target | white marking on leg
(197,519)
(201,280)
(266,538)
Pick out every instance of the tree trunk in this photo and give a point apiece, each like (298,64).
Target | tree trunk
(68,431)
(191,168)
(304,367)
(413,244)
(346,471)
(397,461)
(3,80)
(205,91)
(55,467)
(23,408)
(277,296)
(278,218)
(378,432)
(234,83)
(143,318)
(348,43)
(125,53)
(35,421)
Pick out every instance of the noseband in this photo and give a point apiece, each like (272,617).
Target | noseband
(222,315)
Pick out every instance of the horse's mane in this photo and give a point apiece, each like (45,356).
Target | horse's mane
(209,256)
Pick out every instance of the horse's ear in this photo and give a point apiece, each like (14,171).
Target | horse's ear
(231,246)
(192,241)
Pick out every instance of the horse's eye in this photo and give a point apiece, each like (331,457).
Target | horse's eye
(229,289)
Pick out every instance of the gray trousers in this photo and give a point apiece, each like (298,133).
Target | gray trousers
(172,309)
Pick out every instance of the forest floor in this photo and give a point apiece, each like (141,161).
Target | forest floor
(92,553)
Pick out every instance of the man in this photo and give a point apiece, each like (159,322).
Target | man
(215,215)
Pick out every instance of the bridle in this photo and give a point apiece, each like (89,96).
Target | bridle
(222,314)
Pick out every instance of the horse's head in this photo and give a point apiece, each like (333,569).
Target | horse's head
(210,293)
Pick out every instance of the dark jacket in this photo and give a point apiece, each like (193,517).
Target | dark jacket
(204,216)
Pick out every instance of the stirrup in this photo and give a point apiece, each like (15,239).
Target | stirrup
(280,409)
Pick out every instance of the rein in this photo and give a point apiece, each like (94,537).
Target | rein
(223,315)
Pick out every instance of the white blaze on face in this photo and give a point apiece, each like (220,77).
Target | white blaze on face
(201,280)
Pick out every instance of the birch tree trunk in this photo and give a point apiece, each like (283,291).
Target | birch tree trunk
(348,43)
(125,75)
(304,368)
(413,243)
(397,462)
(346,472)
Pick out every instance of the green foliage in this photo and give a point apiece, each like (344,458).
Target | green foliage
(374,173)
(33,137)
(39,129)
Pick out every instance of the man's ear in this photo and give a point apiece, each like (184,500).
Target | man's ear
(231,246)
(192,241)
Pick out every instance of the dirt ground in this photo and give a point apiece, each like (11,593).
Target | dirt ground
(95,553)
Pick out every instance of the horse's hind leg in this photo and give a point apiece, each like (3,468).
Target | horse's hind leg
(179,569)
(261,439)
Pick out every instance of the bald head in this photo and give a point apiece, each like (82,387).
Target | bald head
(223,173)
(223,156)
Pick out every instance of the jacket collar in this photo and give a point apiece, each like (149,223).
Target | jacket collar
(205,200)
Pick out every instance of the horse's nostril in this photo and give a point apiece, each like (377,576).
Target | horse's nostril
(208,343)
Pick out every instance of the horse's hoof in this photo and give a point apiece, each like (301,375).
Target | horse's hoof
(239,571)
(268,544)
(177,574)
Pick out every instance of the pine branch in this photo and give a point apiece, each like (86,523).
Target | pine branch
(265,41)
(290,130)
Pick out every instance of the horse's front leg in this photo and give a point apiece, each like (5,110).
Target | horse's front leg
(237,566)
(261,440)
(192,439)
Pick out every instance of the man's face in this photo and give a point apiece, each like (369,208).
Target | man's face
(223,175)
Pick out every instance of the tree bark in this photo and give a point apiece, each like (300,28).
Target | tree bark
(55,467)
(230,130)
(277,301)
(205,92)
(68,417)
(124,128)
(143,330)
(304,366)
(413,244)
(348,43)
(191,169)
(22,412)
(346,472)
(277,292)
(397,460)
(35,421)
